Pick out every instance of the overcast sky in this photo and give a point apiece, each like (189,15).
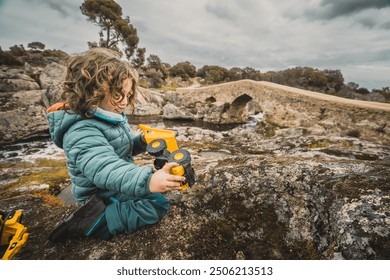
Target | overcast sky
(350,35)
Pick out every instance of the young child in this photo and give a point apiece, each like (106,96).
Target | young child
(116,194)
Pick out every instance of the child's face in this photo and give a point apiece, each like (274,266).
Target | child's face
(114,102)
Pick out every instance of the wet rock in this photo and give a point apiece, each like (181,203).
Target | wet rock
(213,112)
(173,112)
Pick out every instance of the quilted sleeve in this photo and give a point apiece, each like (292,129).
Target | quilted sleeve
(96,160)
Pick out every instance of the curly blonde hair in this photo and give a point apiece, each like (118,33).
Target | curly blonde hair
(92,75)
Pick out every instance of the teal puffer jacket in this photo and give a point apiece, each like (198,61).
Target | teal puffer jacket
(99,154)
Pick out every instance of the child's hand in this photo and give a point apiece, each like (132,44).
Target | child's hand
(163,181)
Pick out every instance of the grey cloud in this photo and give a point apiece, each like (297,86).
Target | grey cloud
(140,25)
(370,14)
(330,9)
(66,8)
(262,34)
(367,22)
(220,11)
(385,25)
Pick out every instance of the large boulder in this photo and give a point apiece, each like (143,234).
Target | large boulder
(172,112)
(22,114)
(52,78)
(12,80)
(149,102)
(23,103)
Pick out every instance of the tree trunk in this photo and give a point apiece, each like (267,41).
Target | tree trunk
(108,37)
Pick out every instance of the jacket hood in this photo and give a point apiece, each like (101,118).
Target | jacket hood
(59,123)
(60,120)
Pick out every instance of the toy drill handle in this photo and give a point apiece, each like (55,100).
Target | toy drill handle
(179,170)
(183,158)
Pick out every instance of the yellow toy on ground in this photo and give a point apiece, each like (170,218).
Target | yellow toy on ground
(13,235)
(162,145)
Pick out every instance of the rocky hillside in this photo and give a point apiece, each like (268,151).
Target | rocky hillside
(26,92)
(283,106)
(308,178)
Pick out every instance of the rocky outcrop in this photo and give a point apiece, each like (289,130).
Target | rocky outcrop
(27,92)
(23,104)
(172,112)
(284,106)
(18,83)
(307,179)
(51,79)
(262,192)
(287,193)
(22,115)
(13,80)
(149,102)
(229,103)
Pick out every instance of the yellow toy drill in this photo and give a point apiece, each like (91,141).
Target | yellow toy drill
(13,235)
(162,145)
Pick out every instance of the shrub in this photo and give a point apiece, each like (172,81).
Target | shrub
(17,50)
(185,70)
(155,78)
(6,58)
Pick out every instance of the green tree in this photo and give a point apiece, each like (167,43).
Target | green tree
(155,78)
(334,78)
(235,74)
(202,72)
(107,14)
(353,85)
(36,46)
(213,74)
(362,90)
(313,78)
(185,70)
(250,73)
(385,92)
(154,62)
(139,59)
